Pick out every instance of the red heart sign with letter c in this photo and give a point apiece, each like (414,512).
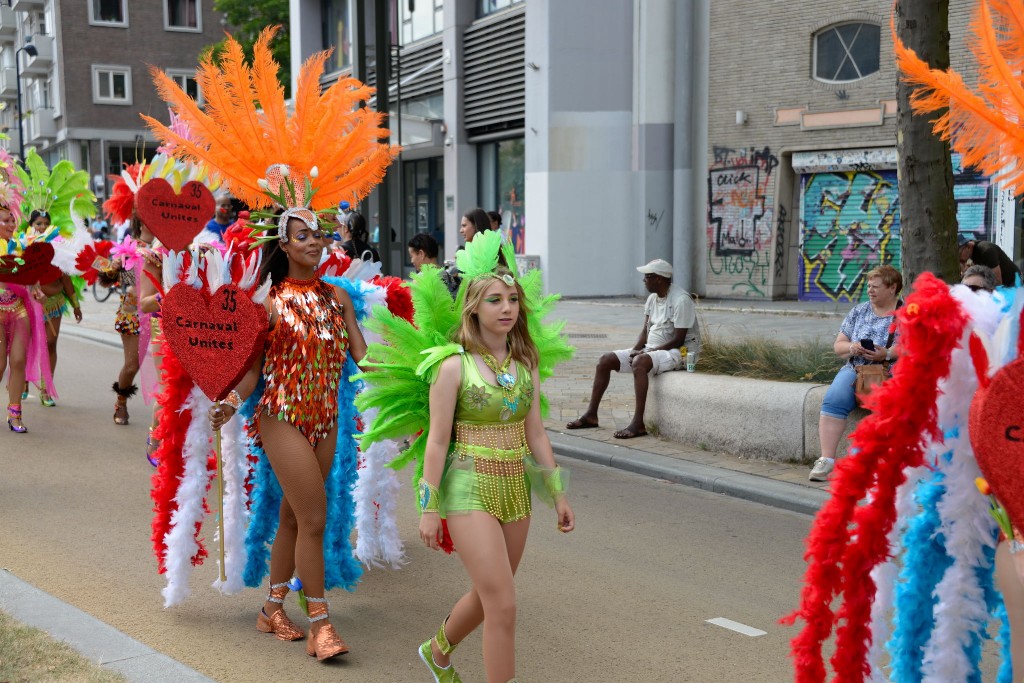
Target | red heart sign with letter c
(997,435)
(37,267)
(215,337)
(175,218)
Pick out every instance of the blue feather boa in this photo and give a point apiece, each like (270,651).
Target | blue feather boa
(924,564)
(341,569)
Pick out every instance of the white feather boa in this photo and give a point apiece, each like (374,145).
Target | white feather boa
(886,574)
(195,481)
(234,450)
(376,493)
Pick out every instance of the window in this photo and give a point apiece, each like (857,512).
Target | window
(108,12)
(424,19)
(183,15)
(501,176)
(485,7)
(186,80)
(337,33)
(847,52)
(111,84)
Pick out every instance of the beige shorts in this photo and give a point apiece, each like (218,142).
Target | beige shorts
(664,361)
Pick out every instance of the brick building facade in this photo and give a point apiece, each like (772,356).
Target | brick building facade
(801,185)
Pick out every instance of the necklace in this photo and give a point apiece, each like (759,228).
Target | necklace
(506,381)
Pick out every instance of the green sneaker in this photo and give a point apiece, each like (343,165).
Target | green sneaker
(441,674)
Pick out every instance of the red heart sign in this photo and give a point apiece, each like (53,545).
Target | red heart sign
(175,219)
(997,434)
(37,267)
(215,337)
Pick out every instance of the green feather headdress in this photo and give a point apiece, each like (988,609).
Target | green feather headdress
(55,193)
(406,363)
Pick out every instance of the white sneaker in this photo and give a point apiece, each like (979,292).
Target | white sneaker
(822,469)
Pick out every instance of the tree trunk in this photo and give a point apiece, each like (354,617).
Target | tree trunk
(928,225)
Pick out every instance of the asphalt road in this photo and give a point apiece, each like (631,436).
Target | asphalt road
(624,598)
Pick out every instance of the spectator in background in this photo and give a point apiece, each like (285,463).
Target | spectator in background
(495,218)
(423,250)
(473,221)
(670,322)
(869,321)
(987,254)
(356,239)
(223,216)
(979,279)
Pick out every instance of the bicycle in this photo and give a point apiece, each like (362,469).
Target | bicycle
(102,293)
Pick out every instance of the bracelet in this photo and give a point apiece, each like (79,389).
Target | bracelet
(555,484)
(428,496)
(233,400)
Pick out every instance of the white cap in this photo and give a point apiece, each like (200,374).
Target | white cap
(658,267)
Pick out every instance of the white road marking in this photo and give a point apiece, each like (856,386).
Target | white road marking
(737,626)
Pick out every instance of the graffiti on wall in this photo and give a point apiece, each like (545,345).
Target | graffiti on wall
(971,195)
(849,225)
(740,218)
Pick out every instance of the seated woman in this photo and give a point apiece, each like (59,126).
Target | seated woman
(863,338)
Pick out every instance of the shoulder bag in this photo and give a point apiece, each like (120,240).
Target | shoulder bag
(870,375)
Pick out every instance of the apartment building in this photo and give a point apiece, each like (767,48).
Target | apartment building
(84,74)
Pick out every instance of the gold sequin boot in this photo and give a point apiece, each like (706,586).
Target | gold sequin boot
(326,642)
(278,623)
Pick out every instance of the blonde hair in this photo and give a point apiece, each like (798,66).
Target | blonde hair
(468,334)
(888,275)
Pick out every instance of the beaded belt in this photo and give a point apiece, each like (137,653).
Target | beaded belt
(499,469)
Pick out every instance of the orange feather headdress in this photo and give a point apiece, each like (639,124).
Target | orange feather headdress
(984,127)
(327,150)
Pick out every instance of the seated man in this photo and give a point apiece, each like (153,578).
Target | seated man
(987,254)
(670,321)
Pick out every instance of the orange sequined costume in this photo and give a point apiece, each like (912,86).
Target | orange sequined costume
(305,352)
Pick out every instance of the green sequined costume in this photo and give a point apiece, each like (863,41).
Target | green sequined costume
(488,466)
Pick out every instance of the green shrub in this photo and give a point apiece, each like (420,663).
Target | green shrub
(764,358)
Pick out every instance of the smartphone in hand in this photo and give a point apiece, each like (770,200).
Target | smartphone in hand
(868,344)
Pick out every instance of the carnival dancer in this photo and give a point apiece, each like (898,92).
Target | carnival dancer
(298,422)
(55,298)
(485,447)
(133,262)
(20,319)
(57,198)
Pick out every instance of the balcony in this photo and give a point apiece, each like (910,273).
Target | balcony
(8,83)
(40,126)
(8,25)
(28,5)
(41,63)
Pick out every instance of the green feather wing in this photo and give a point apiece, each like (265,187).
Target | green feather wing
(400,370)
(56,191)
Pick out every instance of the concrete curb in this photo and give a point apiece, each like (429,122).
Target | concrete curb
(707,477)
(95,640)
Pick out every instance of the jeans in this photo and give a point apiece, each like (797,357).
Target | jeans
(840,399)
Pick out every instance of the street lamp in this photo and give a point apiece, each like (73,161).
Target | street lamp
(31,51)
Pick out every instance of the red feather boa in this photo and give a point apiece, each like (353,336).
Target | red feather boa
(170,430)
(122,200)
(399,296)
(849,536)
